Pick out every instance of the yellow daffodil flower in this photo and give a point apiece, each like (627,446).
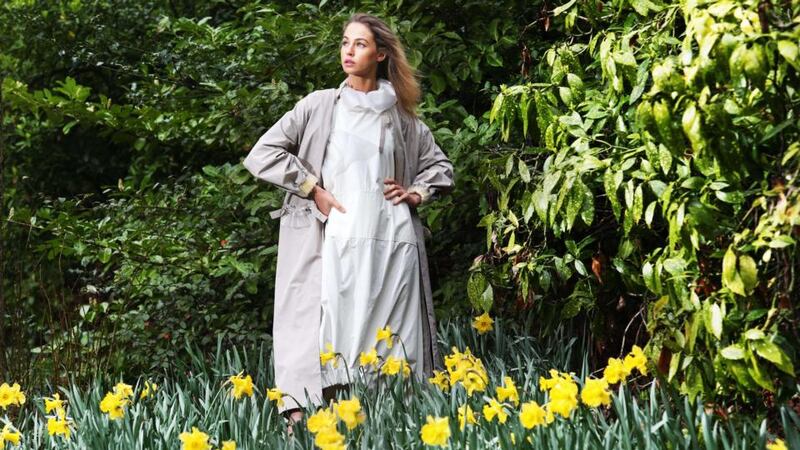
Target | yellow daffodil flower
(369,358)
(532,415)
(196,440)
(149,390)
(53,403)
(778,444)
(10,435)
(494,409)
(406,369)
(349,411)
(321,420)
(595,393)
(483,323)
(440,380)
(615,371)
(228,445)
(391,366)
(242,385)
(436,431)
(465,416)
(562,390)
(329,439)
(275,395)
(635,360)
(328,356)
(385,334)
(508,391)
(58,425)
(123,390)
(113,404)
(11,395)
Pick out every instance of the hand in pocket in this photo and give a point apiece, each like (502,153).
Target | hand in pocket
(325,201)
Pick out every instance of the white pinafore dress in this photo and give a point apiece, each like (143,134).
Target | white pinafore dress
(370,264)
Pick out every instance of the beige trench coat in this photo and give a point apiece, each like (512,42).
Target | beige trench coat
(289,155)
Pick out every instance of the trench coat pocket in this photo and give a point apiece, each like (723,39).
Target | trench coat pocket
(294,216)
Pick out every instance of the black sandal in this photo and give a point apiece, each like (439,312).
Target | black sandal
(289,422)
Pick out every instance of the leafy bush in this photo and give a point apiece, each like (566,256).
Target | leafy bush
(657,185)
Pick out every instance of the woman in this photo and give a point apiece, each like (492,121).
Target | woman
(355,162)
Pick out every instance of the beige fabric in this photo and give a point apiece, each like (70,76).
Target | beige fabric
(287,156)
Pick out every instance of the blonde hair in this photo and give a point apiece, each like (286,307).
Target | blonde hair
(395,66)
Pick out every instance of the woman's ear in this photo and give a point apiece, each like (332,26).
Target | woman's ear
(381,55)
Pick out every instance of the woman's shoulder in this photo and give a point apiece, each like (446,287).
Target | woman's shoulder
(319,95)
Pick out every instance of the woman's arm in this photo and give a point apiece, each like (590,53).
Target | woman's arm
(435,172)
(274,157)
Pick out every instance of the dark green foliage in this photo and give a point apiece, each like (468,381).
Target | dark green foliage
(124,123)
(656,194)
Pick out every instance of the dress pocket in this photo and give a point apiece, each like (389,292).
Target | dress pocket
(292,216)
(298,216)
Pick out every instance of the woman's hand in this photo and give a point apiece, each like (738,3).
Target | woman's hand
(325,201)
(396,191)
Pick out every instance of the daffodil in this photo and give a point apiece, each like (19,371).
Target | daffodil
(349,411)
(10,435)
(242,385)
(778,444)
(149,389)
(595,393)
(494,409)
(466,369)
(228,445)
(11,395)
(53,403)
(563,404)
(635,360)
(508,391)
(532,415)
(196,440)
(483,323)
(123,390)
(321,420)
(369,358)
(113,404)
(275,395)
(436,431)
(562,390)
(406,369)
(58,426)
(440,380)
(465,416)
(615,371)
(328,356)
(476,379)
(385,334)
(329,439)
(391,366)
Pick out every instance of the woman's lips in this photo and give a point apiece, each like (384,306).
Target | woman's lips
(348,62)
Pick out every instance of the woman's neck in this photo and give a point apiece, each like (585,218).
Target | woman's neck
(363,84)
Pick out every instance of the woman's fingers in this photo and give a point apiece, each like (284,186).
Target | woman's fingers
(335,204)
(393,191)
(389,180)
(401,198)
(338,206)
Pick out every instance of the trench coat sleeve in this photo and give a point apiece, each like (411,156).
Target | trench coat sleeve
(274,157)
(435,172)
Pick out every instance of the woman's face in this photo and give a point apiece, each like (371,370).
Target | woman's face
(359,53)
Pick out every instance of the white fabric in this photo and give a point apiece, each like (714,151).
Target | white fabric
(370,263)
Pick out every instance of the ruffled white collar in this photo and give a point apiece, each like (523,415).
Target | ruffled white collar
(378,100)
